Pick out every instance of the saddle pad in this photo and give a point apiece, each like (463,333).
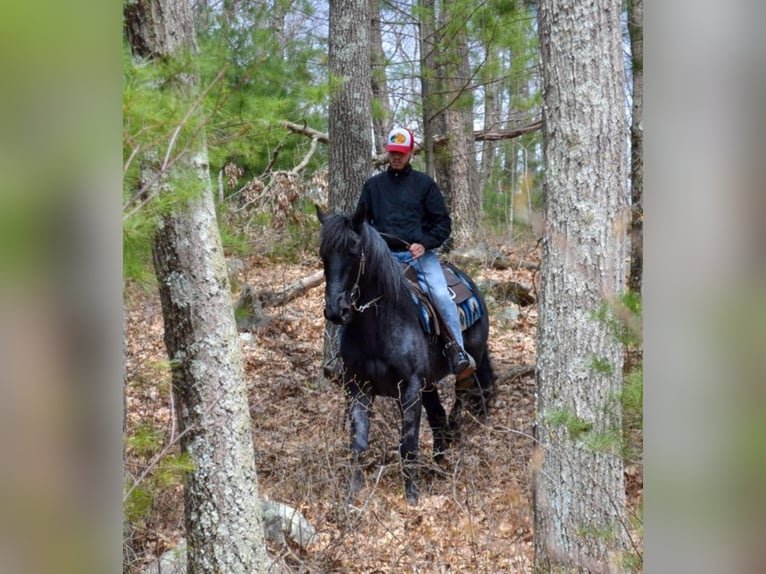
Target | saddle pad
(468,305)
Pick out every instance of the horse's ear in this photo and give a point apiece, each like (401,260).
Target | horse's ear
(358,217)
(321,215)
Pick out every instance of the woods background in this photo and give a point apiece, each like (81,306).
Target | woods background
(76,226)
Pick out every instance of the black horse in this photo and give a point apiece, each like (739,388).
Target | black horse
(384,348)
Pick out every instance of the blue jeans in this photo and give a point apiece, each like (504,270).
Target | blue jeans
(432,281)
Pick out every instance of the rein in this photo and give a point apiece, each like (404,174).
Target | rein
(355,289)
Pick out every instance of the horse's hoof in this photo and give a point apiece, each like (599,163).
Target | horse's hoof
(452,435)
(354,486)
(333,370)
(411,494)
(443,464)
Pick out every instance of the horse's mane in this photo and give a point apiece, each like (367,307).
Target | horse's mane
(338,235)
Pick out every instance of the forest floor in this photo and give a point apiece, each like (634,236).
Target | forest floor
(474,517)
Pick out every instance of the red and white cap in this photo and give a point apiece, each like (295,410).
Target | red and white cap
(401,140)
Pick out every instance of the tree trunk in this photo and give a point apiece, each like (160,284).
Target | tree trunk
(636,32)
(350,116)
(222,508)
(461,183)
(492,120)
(580,523)
(350,137)
(381,116)
(428,92)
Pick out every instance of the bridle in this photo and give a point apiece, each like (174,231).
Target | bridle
(355,292)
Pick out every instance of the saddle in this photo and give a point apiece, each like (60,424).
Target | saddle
(468,305)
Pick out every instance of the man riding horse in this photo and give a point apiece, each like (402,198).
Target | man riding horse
(408,209)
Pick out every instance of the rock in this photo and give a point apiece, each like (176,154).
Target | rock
(280,522)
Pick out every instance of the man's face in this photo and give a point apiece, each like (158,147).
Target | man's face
(398,160)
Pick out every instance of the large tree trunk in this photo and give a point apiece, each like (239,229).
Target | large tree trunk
(580,523)
(350,130)
(223,511)
(350,115)
(636,32)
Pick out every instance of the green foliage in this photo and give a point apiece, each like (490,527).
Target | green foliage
(601,366)
(633,562)
(300,238)
(632,401)
(234,239)
(623,319)
(141,497)
(267,79)
(575,425)
(604,532)
(609,441)
(633,392)
(145,440)
(251,79)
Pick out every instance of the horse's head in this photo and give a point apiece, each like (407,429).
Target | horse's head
(340,248)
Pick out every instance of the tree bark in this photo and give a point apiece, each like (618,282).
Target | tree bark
(222,508)
(350,130)
(381,116)
(428,67)
(350,115)
(456,171)
(580,523)
(636,32)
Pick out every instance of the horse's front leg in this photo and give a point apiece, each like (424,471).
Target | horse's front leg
(359,403)
(411,404)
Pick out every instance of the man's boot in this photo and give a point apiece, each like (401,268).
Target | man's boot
(461,362)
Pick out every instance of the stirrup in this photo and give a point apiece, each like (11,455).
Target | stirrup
(461,362)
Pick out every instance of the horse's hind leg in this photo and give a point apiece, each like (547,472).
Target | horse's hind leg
(474,394)
(437,419)
(359,404)
(411,405)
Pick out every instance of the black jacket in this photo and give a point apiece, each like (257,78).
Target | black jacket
(406,206)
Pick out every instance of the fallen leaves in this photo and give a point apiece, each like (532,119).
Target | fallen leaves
(475,513)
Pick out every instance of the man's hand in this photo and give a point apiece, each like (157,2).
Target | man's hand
(416,250)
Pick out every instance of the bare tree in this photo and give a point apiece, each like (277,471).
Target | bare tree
(451,102)
(492,119)
(429,94)
(223,512)
(464,191)
(636,32)
(382,116)
(580,523)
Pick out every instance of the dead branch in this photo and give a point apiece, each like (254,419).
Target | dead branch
(298,168)
(513,291)
(306,131)
(249,308)
(377,161)
(518,371)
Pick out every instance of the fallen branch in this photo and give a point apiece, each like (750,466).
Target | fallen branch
(518,371)
(249,308)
